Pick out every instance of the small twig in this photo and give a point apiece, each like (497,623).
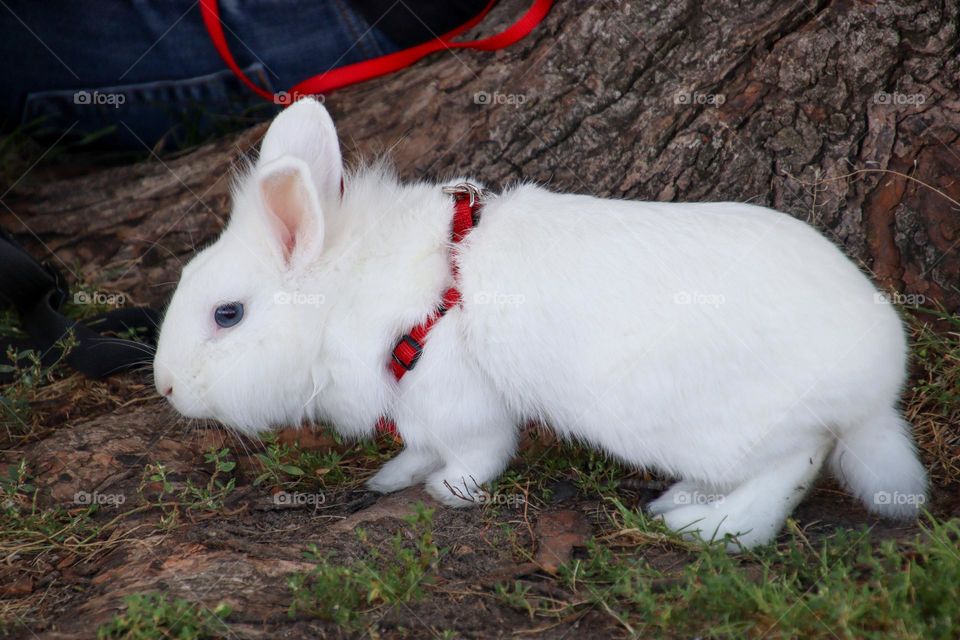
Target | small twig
(863,171)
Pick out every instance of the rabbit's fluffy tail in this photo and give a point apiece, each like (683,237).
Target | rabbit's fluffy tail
(877,462)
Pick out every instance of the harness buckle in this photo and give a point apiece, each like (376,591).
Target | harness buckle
(475,193)
(409,356)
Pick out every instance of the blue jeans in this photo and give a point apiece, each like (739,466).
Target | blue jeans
(140,71)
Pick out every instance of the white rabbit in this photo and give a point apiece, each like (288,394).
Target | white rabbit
(729,345)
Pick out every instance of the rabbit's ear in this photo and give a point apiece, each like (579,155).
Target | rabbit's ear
(305,130)
(293,210)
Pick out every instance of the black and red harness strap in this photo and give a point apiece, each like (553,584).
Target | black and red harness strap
(406,353)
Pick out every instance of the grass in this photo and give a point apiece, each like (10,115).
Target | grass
(30,533)
(847,586)
(933,402)
(173,498)
(150,616)
(33,537)
(29,375)
(545,464)
(850,584)
(289,466)
(33,381)
(283,466)
(344,593)
(27,529)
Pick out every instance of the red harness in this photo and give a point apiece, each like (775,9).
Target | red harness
(466,214)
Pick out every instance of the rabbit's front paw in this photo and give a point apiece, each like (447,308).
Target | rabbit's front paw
(407,469)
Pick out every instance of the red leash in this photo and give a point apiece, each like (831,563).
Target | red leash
(467,199)
(376,67)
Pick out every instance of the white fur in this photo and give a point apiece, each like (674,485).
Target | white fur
(726,344)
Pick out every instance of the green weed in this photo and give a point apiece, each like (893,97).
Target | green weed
(173,498)
(150,616)
(848,586)
(343,592)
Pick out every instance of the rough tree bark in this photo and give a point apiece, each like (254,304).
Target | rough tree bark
(773,102)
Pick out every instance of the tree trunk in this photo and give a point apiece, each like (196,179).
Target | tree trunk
(820,111)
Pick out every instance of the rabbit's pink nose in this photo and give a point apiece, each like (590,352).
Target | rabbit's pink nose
(164,381)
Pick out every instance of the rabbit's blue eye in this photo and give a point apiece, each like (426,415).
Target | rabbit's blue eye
(229,314)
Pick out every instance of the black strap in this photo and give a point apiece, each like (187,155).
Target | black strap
(38,291)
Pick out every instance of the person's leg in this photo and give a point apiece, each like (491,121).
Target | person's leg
(145,68)
(411,22)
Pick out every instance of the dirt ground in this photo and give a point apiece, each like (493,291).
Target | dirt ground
(242,552)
